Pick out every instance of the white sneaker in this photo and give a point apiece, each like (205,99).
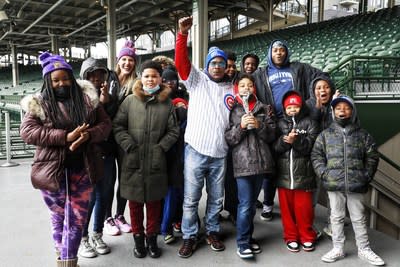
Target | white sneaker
(333,255)
(99,245)
(110,227)
(85,249)
(368,255)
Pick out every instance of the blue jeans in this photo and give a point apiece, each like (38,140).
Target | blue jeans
(197,167)
(172,208)
(269,188)
(100,197)
(248,189)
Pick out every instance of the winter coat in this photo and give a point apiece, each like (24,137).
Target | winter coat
(146,128)
(51,144)
(251,152)
(294,168)
(324,114)
(345,159)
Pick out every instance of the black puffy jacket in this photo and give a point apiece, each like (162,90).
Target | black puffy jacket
(294,168)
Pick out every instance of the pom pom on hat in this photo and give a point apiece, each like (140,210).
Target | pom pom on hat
(127,50)
(292,99)
(51,63)
(214,52)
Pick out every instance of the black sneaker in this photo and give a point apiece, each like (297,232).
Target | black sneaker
(187,248)
(293,246)
(245,252)
(266,216)
(308,246)
(254,246)
(259,204)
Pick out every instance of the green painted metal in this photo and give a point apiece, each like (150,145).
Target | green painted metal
(365,77)
(381,120)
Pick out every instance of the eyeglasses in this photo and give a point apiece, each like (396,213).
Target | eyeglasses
(215,64)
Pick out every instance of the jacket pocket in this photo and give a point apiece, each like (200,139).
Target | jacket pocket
(45,175)
(158,158)
(132,160)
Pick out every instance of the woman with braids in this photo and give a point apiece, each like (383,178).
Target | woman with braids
(65,122)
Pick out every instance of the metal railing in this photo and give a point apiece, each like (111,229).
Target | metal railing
(384,198)
(365,77)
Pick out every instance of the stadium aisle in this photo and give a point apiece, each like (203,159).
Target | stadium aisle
(26,240)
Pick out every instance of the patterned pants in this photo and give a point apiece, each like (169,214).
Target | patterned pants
(68,211)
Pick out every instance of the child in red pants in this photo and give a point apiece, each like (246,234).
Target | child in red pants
(295,175)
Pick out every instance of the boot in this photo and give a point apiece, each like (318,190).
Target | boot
(67,263)
(140,250)
(152,247)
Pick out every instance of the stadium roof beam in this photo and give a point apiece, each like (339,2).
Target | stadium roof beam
(60,2)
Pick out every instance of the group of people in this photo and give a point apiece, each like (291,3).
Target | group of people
(280,126)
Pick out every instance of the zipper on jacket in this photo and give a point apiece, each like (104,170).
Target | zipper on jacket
(291,157)
(291,168)
(346,182)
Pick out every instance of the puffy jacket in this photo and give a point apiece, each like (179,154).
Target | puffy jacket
(294,168)
(51,145)
(146,128)
(345,159)
(251,153)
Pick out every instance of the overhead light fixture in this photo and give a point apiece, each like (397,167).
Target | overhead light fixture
(3,15)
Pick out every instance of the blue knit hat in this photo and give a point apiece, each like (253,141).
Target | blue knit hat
(214,52)
(51,63)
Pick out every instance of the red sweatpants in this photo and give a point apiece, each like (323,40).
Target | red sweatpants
(297,215)
(153,217)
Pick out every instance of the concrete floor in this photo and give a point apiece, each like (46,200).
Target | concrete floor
(26,239)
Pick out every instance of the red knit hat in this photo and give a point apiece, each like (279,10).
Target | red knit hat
(177,100)
(292,99)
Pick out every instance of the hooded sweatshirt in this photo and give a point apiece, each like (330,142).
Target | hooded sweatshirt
(301,74)
(280,78)
(324,114)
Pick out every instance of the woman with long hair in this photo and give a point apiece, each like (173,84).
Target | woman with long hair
(65,122)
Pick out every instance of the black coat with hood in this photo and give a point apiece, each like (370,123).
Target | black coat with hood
(302,74)
(294,168)
(322,115)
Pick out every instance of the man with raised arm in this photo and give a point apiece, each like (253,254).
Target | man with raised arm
(205,149)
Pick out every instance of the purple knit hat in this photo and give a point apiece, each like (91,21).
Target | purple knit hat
(127,50)
(51,63)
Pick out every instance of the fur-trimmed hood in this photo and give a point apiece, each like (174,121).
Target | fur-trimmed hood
(32,103)
(162,94)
